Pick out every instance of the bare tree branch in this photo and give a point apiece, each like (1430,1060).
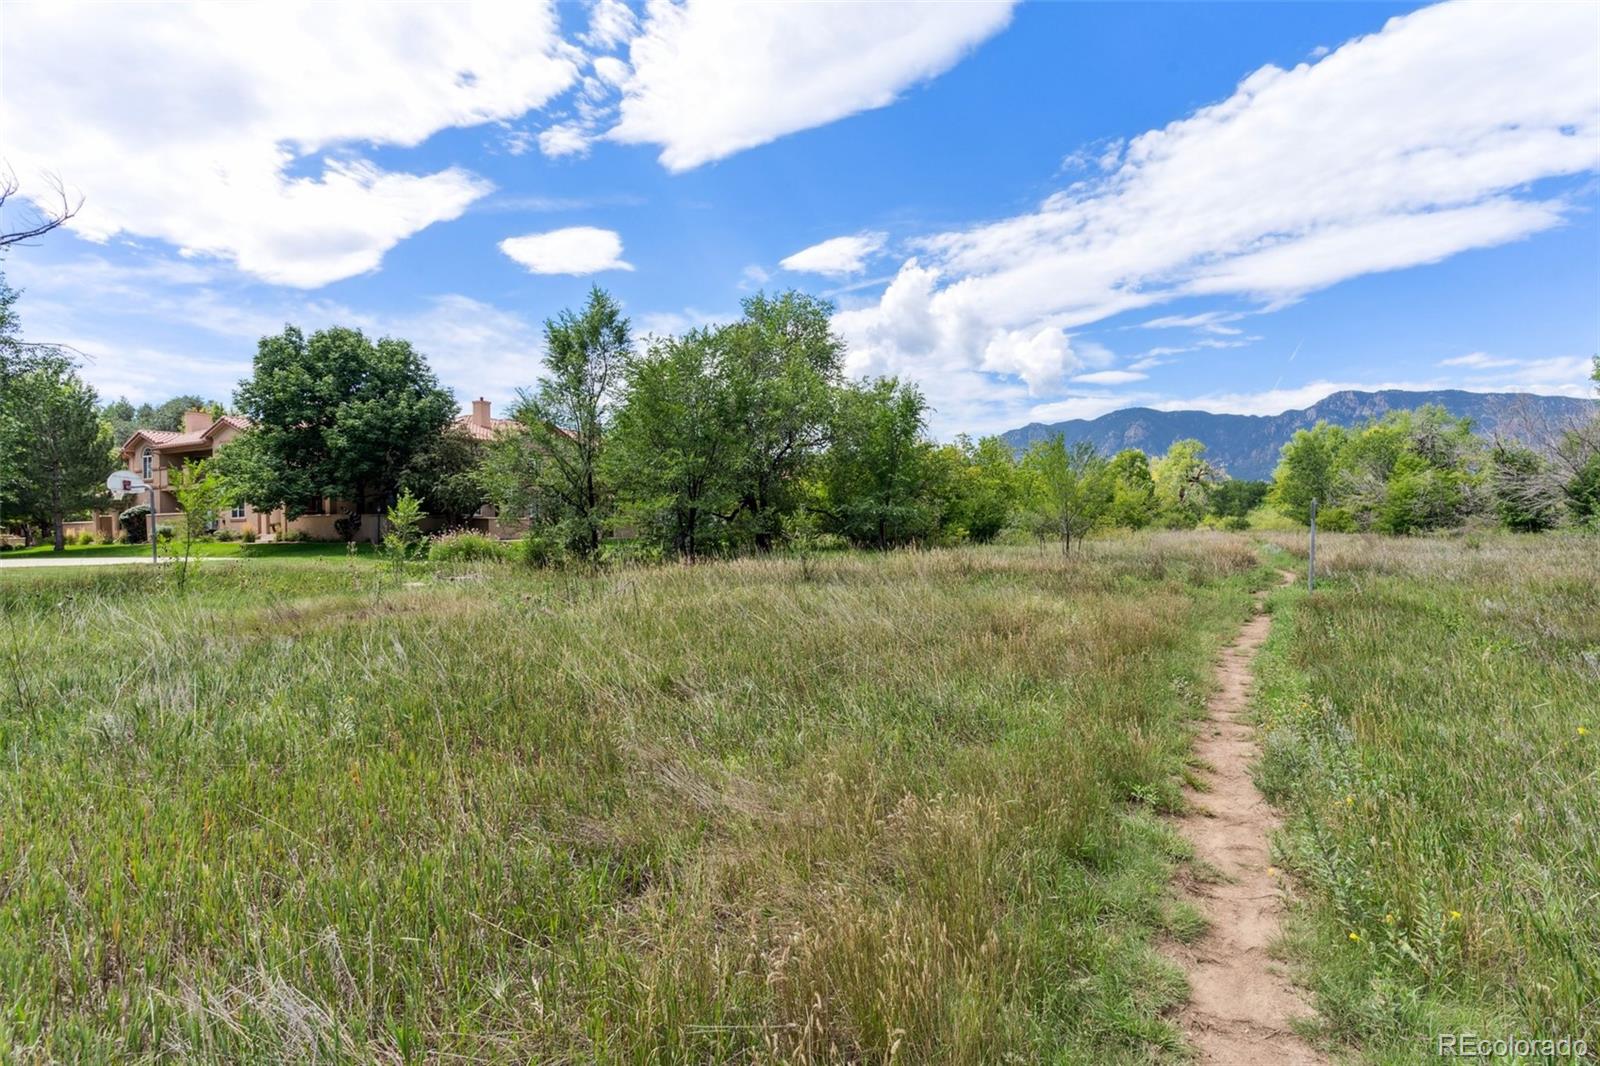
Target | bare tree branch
(41,220)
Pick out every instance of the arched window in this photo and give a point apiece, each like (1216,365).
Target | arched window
(145,472)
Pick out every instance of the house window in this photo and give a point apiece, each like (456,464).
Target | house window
(145,470)
(238,510)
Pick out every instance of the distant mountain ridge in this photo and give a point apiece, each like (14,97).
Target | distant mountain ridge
(1247,446)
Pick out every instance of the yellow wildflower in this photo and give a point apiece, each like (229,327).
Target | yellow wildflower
(1583,730)
(1388,919)
(1455,916)
(1355,938)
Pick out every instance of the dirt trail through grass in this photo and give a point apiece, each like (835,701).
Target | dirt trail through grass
(1241,1005)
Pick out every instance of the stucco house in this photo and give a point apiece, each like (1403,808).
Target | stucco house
(155,454)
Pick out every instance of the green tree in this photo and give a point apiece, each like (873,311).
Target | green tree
(124,418)
(1236,497)
(876,475)
(1184,479)
(1133,490)
(403,540)
(60,450)
(202,493)
(1524,497)
(553,471)
(983,487)
(1412,471)
(1307,469)
(447,475)
(1579,457)
(674,444)
(1068,489)
(333,415)
(781,364)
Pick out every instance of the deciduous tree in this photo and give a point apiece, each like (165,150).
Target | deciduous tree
(877,471)
(1068,488)
(61,450)
(782,364)
(333,415)
(674,444)
(553,470)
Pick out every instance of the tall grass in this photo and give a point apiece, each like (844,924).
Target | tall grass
(1433,726)
(892,808)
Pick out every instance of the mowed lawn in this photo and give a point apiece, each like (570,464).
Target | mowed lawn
(1433,719)
(879,808)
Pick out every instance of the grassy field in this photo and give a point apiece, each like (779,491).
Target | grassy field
(1433,717)
(893,808)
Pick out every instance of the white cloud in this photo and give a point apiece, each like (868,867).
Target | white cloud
(237,130)
(563,140)
(1479,360)
(837,257)
(610,23)
(1110,377)
(710,79)
(1209,321)
(1398,149)
(574,250)
(1039,358)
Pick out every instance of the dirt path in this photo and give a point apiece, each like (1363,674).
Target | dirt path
(1241,1003)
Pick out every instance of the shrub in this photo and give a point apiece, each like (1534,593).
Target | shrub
(292,536)
(538,549)
(249,536)
(101,538)
(226,534)
(135,523)
(466,546)
(165,532)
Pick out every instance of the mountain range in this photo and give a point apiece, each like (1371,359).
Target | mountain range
(1247,446)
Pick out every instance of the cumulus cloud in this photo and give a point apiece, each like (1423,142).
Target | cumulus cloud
(838,257)
(236,130)
(563,139)
(573,250)
(709,79)
(1289,185)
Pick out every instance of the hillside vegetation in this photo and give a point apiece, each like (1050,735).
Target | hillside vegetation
(900,807)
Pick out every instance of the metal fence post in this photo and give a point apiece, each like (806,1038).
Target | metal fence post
(1311,561)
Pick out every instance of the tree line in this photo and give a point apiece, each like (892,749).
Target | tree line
(733,438)
(1422,470)
(727,439)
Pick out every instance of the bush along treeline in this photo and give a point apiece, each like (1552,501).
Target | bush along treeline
(746,436)
(1422,470)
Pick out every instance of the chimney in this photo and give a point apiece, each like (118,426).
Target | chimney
(196,420)
(480,413)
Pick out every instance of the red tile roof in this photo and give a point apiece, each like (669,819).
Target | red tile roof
(473,429)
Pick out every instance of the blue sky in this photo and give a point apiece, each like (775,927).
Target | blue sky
(1037,212)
